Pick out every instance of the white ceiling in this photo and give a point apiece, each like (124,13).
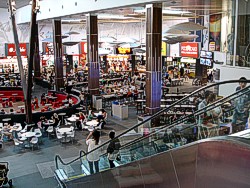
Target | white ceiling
(19,3)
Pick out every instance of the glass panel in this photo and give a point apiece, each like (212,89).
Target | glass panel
(243,34)
(203,114)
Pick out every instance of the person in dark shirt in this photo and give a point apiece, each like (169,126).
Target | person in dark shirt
(113,149)
(241,103)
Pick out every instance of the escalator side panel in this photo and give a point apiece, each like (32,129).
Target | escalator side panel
(219,163)
(109,180)
(129,176)
(159,172)
(185,164)
(86,182)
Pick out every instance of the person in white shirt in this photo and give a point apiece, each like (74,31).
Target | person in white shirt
(93,141)
(121,90)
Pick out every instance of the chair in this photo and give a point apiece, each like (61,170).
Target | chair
(20,137)
(33,142)
(66,122)
(50,130)
(59,123)
(25,129)
(71,135)
(10,104)
(1,141)
(17,143)
(39,135)
(59,136)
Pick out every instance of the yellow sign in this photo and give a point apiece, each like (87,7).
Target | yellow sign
(164,49)
(124,50)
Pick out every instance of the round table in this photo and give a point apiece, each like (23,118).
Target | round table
(73,119)
(29,134)
(62,114)
(6,119)
(48,123)
(79,108)
(64,132)
(92,123)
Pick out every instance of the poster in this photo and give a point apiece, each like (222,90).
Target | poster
(215,30)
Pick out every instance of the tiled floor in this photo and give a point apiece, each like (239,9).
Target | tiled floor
(30,169)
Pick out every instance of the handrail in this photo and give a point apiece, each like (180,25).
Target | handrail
(57,157)
(155,115)
(197,113)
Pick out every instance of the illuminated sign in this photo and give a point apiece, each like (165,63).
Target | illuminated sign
(11,49)
(190,49)
(121,50)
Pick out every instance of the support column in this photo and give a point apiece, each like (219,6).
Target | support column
(92,56)
(133,64)
(57,42)
(153,52)
(37,66)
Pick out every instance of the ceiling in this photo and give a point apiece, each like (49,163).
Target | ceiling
(19,3)
(172,9)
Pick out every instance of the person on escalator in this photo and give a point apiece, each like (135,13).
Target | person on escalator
(93,141)
(241,104)
(202,106)
(113,149)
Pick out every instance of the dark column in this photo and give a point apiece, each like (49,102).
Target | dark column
(57,42)
(133,64)
(153,52)
(37,67)
(93,63)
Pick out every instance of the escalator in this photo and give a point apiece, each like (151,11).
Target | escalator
(179,146)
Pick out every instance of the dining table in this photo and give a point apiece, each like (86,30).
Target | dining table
(64,132)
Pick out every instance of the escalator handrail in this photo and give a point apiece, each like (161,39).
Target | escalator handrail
(152,117)
(197,113)
(57,157)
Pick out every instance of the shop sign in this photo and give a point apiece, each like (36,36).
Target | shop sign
(121,50)
(190,49)
(164,49)
(212,46)
(83,48)
(11,49)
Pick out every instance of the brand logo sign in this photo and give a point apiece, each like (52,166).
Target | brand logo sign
(11,49)
(121,50)
(190,49)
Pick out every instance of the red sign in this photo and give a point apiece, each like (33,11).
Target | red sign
(11,49)
(190,49)
(83,48)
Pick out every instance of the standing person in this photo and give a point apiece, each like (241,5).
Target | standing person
(113,149)
(241,104)
(93,141)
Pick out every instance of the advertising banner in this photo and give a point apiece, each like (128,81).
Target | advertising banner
(190,49)
(11,49)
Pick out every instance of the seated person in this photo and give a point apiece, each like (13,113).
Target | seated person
(6,131)
(91,116)
(129,94)
(103,116)
(12,111)
(81,119)
(2,112)
(55,120)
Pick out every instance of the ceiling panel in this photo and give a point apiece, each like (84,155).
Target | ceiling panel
(19,3)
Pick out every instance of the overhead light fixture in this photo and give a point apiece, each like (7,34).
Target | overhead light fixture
(166,11)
